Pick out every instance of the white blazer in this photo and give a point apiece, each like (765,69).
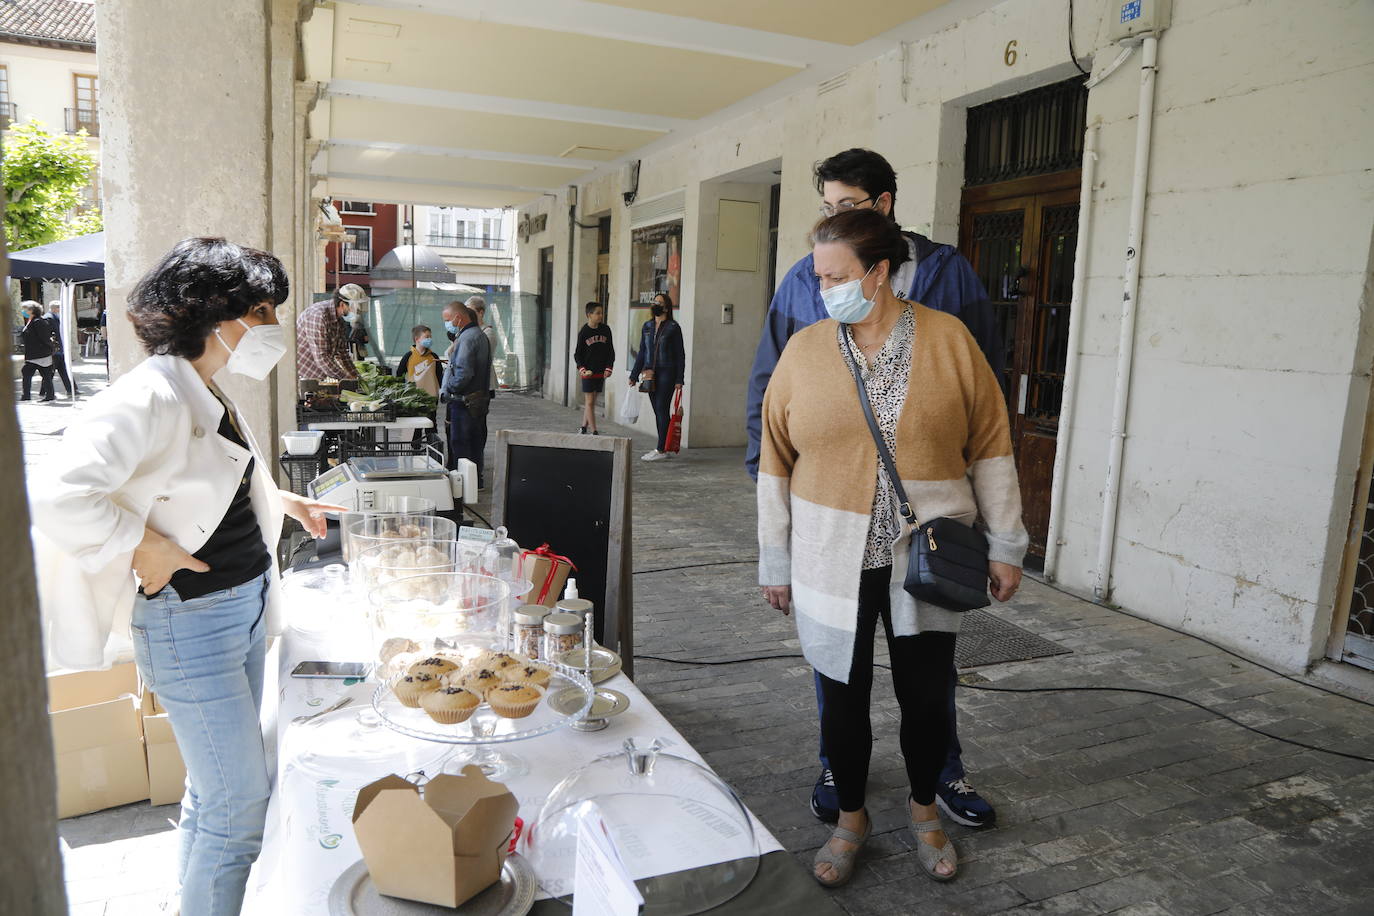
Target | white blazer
(145,451)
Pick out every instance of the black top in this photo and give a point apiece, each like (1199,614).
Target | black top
(235,552)
(595,349)
(38,339)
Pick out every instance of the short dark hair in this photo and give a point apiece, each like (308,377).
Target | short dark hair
(859,168)
(464,312)
(196,285)
(869,234)
(593,306)
(415,331)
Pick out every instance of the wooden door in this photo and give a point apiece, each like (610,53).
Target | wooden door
(1020,237)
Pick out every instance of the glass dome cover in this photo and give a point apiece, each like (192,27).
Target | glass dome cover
(683,834)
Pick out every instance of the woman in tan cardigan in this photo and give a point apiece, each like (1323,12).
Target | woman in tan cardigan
(832,543)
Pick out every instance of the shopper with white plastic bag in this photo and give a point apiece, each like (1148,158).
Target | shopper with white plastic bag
(629,408)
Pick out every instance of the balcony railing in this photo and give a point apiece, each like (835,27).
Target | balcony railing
(465,241)
(83,119)
(9,115)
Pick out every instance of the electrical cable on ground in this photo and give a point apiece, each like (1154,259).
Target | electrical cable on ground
(481,516)
(1153,693)
(1109,607)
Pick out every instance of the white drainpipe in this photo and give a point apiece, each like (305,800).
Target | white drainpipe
(1080,278)
(1111,494)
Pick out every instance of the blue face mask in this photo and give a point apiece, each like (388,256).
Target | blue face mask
(846,303)
(425,342)
(450,326)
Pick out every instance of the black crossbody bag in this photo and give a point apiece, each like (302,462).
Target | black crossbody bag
(948,563)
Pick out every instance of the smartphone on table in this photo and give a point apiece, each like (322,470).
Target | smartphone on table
(357,670)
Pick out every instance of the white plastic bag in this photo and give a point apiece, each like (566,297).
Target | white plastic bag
(629,410)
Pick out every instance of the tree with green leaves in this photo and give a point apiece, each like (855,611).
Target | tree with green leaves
(43,176)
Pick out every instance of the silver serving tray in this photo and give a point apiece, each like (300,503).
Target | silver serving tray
(354,894)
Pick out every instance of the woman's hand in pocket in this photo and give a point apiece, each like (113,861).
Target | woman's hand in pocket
(779,597)
(156,558)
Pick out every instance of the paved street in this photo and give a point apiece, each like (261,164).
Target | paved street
(1107,801)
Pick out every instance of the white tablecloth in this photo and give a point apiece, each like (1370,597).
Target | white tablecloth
(309,840)
(398,423)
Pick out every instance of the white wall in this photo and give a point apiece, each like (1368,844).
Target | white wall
(1253,352)
(41,82)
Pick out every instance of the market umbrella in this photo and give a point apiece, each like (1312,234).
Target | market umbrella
(81,258)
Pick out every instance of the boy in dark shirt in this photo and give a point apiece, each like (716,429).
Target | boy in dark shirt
(595,359)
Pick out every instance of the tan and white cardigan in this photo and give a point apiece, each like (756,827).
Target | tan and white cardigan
(818,472)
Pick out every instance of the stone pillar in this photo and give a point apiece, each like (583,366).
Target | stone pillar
(31,869)
(210,156)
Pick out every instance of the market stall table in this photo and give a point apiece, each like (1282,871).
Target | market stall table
(321,764)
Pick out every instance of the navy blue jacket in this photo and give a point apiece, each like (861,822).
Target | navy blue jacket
(944,280)
(470,369)
(661,350)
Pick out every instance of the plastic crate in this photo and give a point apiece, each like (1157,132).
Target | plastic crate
(306,415)
(360,446)
(301,469)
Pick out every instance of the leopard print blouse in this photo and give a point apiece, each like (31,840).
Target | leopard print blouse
(886,379)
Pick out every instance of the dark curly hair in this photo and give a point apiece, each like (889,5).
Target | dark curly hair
(859,168)
(196,285)
(869,234)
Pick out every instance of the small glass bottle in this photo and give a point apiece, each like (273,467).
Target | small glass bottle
(529,630)
(562,633)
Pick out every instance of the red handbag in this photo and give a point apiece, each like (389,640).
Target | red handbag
(674,440)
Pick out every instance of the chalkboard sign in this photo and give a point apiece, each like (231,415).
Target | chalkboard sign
(573,493)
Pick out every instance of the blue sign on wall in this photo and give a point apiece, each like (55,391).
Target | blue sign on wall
(1130,11)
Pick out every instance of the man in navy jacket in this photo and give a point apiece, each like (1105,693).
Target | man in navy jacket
(937,276)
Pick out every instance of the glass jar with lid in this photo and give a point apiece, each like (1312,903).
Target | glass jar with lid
(562,633)
(528,639)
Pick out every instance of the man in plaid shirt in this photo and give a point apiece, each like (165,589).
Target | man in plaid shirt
(322,335)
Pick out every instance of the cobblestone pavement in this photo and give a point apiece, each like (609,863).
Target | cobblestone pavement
(1107,802)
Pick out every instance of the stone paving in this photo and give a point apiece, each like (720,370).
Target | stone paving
(1107,801)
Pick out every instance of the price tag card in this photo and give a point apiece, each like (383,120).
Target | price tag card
(601,884)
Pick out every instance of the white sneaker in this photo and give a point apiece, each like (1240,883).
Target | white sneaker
(655,455)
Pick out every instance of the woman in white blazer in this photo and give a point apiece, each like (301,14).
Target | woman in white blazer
(159,518)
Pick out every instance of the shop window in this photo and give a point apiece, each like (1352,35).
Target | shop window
(357,254)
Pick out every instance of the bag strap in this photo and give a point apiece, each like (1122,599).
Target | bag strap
(903,504)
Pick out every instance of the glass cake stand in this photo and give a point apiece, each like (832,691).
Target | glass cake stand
(485,734)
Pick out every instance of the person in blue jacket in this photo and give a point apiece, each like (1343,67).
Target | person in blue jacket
(661,361)
(937,276)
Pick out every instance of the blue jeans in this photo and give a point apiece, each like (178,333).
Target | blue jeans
(204,659)
(467,437)
(954,763)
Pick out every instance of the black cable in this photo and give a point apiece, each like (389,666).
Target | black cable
(1152,693)
(641,572)
(1110,607)
(481,516)
(1203,639)
(1072,56)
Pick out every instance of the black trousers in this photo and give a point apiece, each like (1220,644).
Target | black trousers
(59,364)
(45,386)
(467,438)
(662,399)
(920,679)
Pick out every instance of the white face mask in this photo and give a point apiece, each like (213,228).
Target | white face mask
(846,303)
(259,349)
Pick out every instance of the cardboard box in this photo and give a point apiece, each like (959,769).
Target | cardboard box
(166,771)
(97,736)
(444,847)
(549,575)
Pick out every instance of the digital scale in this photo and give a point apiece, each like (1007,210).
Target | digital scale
(366,483)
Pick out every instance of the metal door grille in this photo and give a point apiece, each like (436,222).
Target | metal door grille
(1034,133)
(1359,636)
(997,261)
(1059,238)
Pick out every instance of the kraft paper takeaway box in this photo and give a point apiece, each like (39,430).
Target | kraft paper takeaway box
(443,847)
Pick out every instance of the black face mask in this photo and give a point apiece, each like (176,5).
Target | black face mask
(657,310)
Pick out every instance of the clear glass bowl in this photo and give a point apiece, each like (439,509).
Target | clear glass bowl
(684,835)
(416,615)
(397,559)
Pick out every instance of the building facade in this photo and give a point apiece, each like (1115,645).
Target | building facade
(371,230)
(1216,479)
